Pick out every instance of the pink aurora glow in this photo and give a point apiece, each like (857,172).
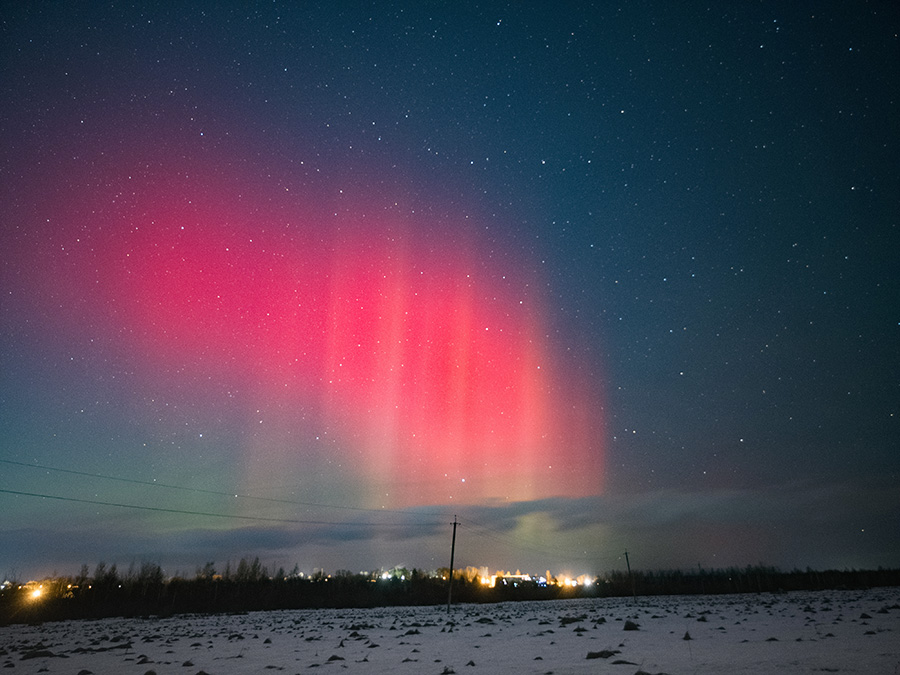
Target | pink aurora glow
(428,366)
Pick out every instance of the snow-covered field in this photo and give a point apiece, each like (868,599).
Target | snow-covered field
(822,632)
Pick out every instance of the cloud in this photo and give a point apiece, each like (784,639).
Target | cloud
(788,502)
(795,524)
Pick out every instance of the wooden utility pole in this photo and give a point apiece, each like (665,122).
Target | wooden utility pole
(628,564)
(452,554)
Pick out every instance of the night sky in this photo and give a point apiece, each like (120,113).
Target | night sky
(304,281)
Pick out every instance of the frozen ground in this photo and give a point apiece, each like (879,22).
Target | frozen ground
(823,632)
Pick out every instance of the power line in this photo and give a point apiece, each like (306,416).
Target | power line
(294,521)
(477,528)
(219,493)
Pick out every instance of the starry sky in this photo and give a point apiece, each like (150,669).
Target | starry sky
(304,281)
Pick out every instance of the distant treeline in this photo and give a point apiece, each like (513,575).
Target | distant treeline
(146,591)
(750,579)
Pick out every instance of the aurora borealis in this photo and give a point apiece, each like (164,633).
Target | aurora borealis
(416,368)
(306,281)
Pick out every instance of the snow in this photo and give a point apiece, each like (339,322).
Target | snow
(804,632)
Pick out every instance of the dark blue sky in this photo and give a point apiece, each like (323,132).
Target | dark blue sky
(685,217)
